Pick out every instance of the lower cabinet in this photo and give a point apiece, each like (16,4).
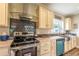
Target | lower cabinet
(70,44)
(5,47)
(66,46)
(45,47)
(57,46)
(77,41)
(53,47)
(4,51)
(74,41)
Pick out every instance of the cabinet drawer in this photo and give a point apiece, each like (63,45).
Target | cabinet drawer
(44,52)
(45,44)
(44,41)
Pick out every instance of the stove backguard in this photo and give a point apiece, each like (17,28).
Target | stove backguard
(23,25)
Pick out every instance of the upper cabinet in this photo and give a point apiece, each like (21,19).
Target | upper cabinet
(16,7)
(37,12)
(3,14)
(68,24)
(50,19)
(42,17)
(45,17)
(15,10)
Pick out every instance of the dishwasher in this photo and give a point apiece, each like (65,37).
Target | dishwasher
(60,46)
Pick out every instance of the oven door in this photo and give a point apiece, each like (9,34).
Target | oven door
(27,52)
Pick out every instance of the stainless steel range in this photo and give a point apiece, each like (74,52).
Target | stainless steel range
(22,46)
(24,43)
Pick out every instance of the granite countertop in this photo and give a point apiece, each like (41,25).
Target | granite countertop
(46,35)
(49,35)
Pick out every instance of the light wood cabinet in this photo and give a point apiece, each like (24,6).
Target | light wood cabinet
(77,40)
(45,47)
(50,19)
(72,43)
(66,46)
(5,47)
(42,17)
(4,51)
(53,47)
(45,17)
(15,10)
(68,25)
(3,14)
(15,7)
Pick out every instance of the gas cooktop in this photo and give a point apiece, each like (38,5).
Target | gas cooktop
(20,41)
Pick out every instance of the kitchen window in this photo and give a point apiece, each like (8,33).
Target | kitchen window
(58,25)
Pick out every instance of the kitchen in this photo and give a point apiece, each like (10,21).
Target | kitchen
(39,29)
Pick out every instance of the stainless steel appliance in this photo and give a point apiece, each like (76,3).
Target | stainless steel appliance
(24,47)
(24,43)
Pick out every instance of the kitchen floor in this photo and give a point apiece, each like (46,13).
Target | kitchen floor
(74,52)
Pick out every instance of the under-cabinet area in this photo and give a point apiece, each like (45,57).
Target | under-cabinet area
(39,29)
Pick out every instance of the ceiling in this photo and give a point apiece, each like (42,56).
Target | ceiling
(65,8)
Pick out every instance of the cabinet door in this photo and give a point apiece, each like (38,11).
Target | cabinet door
(68,25)
(50,19)
(74,41)
(4,51)
(66,46)
(45,47)
(15,10)
(53,47)
(16,7)
(42,17)
(70,44)
(3,14)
